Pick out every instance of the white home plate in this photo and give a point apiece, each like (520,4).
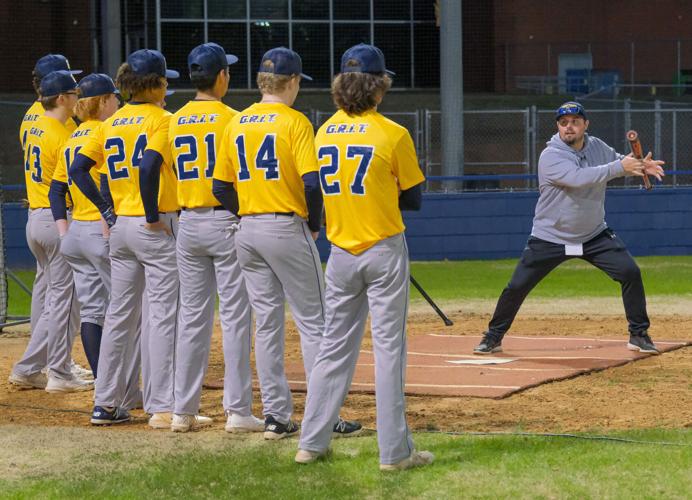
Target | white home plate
(483,361)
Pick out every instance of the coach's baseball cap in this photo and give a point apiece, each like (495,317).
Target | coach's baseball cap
(286,62)
(53,62)
(56,83)
(370,59)
(96,84)
(146,61)
(209,59)
(570,108)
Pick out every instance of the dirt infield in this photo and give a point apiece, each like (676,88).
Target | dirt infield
(653,392)
(443,365)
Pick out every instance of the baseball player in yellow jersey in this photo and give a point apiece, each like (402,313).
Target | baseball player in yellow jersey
(45,65)
(206,253)
(51,340)
(143,265)
(268,157)
(85,244)
(364,160)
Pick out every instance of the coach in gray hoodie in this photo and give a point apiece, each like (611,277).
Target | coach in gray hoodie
(573,172)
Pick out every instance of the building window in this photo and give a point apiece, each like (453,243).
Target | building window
(404,29)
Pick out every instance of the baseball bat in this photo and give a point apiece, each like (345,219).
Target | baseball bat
(447,321)
(636,146)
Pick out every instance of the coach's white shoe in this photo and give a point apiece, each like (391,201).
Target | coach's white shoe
(237,423)
(36,381)
(307,457)
(161,420)
(417,459)
(74,384)
(185,423)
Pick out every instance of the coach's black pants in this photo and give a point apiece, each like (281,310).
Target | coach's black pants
(606,251)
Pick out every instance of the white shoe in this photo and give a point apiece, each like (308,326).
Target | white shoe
(237,423)
(161,420)
(307,457)
(74,384)
(35,381)
(417,459)
(80,371)
(185,423)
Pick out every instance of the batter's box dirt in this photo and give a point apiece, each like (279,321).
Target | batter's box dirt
(442,365)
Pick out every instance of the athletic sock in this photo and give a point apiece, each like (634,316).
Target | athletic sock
(91,340)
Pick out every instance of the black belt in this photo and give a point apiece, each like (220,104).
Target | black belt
(218,207)
(285,214)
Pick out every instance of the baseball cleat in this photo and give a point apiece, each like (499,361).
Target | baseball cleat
(274,429)
(80,372)
(307,457)
(239,424)
(642,343)
(345,429)
(35,381)
(103,416)
(488,345)
(57,385)
(161,420)
(417,459)
(185,423)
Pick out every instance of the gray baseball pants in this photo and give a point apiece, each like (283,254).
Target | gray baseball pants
(53,333)
(87,253)
(280,263)
(207,264)
(376,280)
(143,263)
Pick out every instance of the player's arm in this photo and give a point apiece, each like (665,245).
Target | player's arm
(407,171)
(313,200)
(58,192)
(149,176)
(222,186)
(303,144)
(88,156)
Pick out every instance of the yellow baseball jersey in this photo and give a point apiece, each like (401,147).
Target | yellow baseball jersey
(44,140)
(364,161)
(265,151)
(194,135)
(32,115)
(82,208)
(119,144)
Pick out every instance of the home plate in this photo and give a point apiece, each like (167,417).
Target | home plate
(482,361)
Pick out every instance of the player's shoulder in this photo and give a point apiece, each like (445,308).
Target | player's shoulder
(391,127)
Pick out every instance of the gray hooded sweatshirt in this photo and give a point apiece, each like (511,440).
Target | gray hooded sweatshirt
(572,184)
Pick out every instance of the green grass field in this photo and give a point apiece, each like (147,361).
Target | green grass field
(466,467)
(475,279)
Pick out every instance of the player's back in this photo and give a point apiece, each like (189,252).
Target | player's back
(364,160)
(82,208)
(271,146)
(32,115)
(119,143)
(194,136)
(44,140)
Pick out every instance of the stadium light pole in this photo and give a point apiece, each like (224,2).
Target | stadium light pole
(111,36)
(451,89)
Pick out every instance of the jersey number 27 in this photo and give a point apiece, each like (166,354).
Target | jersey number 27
(352,152)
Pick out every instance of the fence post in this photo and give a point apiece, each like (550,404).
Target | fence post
(427,142)
(527,144)
(533,138)
(675,145)
(657,129)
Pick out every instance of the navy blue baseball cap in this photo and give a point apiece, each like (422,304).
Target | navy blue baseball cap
(146,61)
(53,62)
(209,59)
(570,108)
(96,84)
(370,59)
(286,62)
(56,83)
